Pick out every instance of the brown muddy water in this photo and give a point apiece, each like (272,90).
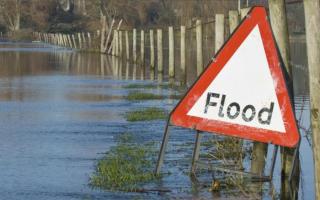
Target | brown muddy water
(61,110)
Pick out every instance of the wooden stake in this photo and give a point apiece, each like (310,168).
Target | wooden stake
(199,47)
(80,41)
(233,20)
(118,28)
(312,21)
(244,12)
(113,49)
(152,66)
(280,30)
(127,46)
(142,54)
(74,41)
(183,55)
(116,42)
(134,46)
(160,55)
(108,37)
(219,27)
(120,44)
(103,33)
(84,40)
(89,41)
(279,25)
(171,54)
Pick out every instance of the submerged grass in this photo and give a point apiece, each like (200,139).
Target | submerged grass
(125,167)
(146,114)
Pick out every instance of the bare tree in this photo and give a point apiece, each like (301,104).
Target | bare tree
(11,13)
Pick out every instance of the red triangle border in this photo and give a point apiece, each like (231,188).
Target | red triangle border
(179,117)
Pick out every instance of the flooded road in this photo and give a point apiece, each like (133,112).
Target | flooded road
(60,111)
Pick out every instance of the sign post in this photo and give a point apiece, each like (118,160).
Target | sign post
(242,92)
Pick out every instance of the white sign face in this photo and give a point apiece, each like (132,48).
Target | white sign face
(244,90)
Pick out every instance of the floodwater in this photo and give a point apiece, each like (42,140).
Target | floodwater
(60,111)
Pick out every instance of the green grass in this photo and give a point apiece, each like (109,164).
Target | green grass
(125,167)
(146,114)
(136,96)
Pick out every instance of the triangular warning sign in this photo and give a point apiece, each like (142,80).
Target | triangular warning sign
(242,92)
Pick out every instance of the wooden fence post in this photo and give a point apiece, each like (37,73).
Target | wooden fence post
(103,33)
(160,55)
(259,150)
(61,40)
(116,37)
(113,44)
(152,66)
(58,39)
(118,28)
(80,41)
(54,39)
(244,12)
(84,40)
(199,47)
(119,33)
(233,20)
(183,55)
(74,41)
(280,30)
(171,54)
(69,45)
(70,42)
(219,28)
(134,46)
(142,54)
(312,21)
(279,25)
(65,40)
(108,38)
(89,40)
(127,46)
(97,34)
(120,44)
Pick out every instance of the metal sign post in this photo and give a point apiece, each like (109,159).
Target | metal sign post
(195,158)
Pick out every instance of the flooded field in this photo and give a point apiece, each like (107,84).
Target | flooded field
(61,111)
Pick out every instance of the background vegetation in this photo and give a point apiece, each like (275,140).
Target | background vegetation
(84,15)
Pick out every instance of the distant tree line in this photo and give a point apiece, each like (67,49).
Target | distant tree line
(77,15)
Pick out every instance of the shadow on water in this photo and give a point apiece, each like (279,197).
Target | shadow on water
(62,110)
